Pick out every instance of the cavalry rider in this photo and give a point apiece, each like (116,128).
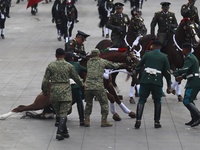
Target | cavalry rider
(105,10)
(166,21)
(156,66)
(118,23)
(56,17)
(190,71)
(76,45)
(190,11)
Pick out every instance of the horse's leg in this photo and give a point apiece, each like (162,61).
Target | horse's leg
(70,30)
(114,75)
(41,101)
(111,90)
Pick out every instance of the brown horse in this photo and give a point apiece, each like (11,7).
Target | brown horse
(122,57)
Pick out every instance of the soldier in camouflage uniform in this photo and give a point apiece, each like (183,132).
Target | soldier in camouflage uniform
(94,86)
(166,23)
(118,23)
(190,71)
(190,11)
(76,45)
(58,74)
(156,66)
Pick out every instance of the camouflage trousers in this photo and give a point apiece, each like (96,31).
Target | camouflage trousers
(61,107)
(101,97)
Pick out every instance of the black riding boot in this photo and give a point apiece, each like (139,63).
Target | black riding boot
(62,131)
(57,121)
(139,112)
(81,113)
(195,112)
(157,113)
(192,120)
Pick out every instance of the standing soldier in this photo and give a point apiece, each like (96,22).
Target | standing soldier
(166,23)
(58,74)
(156,66)
(3,15)
(94,86)
(190,71)
(76,45)
(118,23)
(56,17)
(190,11)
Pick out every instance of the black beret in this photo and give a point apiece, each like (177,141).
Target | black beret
(80,33)
(60,51)
(187,45)
(118,4)
(69,55)
(165,3)
(157,42)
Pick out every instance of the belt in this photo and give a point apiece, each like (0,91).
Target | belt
(192,75)
(152,71)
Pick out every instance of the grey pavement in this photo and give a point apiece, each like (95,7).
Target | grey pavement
(28,48)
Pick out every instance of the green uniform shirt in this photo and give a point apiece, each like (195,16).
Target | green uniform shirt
(165,22)
(191,66)
(155,60)
(191,13)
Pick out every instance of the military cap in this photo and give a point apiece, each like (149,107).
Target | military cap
(69,55)
(60,51)
(119,5)
(95,52)
(187,45)
(82,34)
(165,3)
(157,42)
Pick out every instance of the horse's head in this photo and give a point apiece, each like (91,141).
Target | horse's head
(187,31)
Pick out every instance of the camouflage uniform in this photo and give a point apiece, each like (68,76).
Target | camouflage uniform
(118,24)
(58,73)
(166,25)
(191,12)
(94,84)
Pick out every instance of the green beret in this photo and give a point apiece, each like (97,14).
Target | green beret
(95,52)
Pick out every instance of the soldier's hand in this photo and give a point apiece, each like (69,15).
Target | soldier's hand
(53,20)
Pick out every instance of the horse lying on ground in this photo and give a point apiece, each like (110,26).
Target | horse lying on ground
(41,101)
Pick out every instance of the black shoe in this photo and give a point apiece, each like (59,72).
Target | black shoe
(137,124)
(157,124)
(107,35)
(82,123)
(59,137)
(2,36)
(196,123)
(189,123)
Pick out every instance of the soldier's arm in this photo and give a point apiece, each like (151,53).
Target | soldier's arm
(153,24)
(182,71)
(45,81)
(110,24)
(74,75)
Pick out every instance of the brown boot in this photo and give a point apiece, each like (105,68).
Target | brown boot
(116,117)
(87,121)
(104,122)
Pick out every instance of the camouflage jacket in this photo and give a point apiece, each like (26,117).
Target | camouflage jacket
(58,74)
(95,70)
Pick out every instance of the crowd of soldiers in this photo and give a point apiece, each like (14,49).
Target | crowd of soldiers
(118,23)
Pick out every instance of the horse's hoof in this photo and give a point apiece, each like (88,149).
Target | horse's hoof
(132,114)
(107,35)
(174,92)
(116,117)
(132,101)
(180,98)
